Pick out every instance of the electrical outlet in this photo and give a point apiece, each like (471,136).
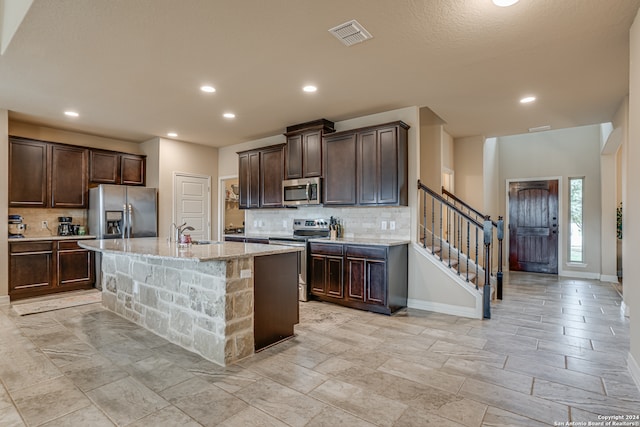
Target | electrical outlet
(255,224)
(392,225)
(284,223)
(383,225)
(44,224)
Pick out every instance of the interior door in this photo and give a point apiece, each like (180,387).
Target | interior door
(533,226)
(192,202)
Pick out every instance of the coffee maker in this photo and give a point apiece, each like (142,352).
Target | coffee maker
(64,226)
(16,227)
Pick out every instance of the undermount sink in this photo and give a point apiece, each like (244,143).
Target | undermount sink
(207,242)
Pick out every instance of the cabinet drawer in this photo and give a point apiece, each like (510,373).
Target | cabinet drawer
(326,249)
(257,240)
(368,252)
(23,247)
(68,244)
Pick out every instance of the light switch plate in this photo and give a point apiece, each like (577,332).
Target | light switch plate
(392,225)
(383,225)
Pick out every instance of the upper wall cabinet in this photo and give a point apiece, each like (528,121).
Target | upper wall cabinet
(260,174)
(303,152)
(44,175)
(367,166)
(110,167)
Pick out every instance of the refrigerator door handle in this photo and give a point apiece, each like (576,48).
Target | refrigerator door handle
(130,220)
(125,221)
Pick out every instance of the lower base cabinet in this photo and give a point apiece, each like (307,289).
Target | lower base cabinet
(45,267)
(366,277)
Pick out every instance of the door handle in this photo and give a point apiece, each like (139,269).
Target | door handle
(130,221)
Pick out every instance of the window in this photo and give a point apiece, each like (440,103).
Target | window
(576,242)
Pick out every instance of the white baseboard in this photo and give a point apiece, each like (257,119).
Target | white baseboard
(4,300)
(579,274)
(454,310)
(608,278)
(634,369)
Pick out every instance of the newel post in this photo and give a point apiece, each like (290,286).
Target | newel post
(499,274)
(486,290)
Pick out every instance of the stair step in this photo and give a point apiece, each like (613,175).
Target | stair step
(450,261)
(472,276)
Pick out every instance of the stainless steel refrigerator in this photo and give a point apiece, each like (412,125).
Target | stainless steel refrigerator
(120,211)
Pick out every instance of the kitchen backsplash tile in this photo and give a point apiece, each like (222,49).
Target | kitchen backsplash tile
(33,217)
(357,222)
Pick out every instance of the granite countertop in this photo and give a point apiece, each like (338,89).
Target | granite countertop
(362,241)
(48,238)
(160,248)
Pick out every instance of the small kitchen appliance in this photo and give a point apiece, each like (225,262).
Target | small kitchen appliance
(64,226)
(16,227)
(301,192)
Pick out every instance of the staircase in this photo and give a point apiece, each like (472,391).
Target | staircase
(461,239)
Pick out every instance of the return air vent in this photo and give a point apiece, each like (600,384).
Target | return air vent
(350,33)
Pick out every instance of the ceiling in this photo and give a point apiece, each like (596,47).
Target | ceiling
(133,69)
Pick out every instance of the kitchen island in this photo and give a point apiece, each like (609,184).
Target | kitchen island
(222,300)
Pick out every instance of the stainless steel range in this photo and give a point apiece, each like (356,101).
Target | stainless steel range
(303,230)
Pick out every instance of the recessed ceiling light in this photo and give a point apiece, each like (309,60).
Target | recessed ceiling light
(505,3)
(310,88)
(229,116)
(208,89)
(527,99)
(71,114)
(172,134)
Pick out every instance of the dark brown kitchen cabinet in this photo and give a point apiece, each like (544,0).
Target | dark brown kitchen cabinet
(28,173)
(371,277)
(69,167)
(31,269)
(339,169)
(376,173)
(260,174)
(45,267)
(303,152)
(327,271)
(110,167)
(271,175)
(76,265)
(47,175)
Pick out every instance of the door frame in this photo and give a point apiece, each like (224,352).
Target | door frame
(222,204)
(174,213)
(561,219)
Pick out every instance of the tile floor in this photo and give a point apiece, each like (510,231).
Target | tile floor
(554,351)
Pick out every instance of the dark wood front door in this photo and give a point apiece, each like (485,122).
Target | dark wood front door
(533,226)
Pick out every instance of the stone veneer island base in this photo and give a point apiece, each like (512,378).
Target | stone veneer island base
(205,298)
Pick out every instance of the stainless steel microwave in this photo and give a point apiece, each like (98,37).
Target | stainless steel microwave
(297,192)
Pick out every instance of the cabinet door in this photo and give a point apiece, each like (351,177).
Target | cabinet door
(294,157)
(75,265)
(28,173)
(335,274)
(132,169)
(339,171)
(271,174)
(376,282)
(312,154)
(388,172)
(104,167)
(355,275)
(317,276)
(69,170)
(243,180)
(253,200)
(30,268)
(368,171)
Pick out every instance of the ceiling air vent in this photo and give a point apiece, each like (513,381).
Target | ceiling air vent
(350,33)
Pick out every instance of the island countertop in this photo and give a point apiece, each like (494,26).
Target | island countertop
(160,248)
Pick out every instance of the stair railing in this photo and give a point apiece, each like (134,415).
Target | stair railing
(497,225)
(439,218)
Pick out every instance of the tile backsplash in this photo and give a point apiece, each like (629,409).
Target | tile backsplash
(33,217)
(360,222)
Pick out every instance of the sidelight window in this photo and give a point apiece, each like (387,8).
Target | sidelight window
(576,241)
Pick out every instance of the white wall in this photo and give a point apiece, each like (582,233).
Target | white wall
(469,166)
(491,178)
(172,156)
(631,205)
(4,206)
(561,153)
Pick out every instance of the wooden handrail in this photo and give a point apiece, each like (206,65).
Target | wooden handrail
(466,205)
(456,209)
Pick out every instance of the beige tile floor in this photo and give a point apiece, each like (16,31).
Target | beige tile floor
(554,351)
